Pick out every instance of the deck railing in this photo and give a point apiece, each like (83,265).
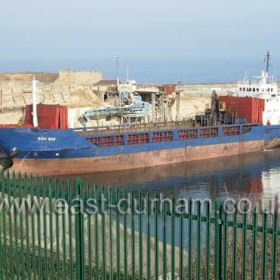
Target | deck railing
(111,140)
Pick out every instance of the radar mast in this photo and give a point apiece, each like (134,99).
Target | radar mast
(267,58)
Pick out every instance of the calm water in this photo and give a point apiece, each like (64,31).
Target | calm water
(256,174)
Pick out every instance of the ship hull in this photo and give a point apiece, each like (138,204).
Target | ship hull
(132,160)
(56,152)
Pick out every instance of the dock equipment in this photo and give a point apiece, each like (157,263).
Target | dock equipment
(137,109)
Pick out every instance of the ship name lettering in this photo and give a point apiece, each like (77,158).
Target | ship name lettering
(46,138)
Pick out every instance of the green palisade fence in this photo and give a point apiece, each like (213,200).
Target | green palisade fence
(50,229)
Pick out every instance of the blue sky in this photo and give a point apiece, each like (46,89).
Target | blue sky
(160,41)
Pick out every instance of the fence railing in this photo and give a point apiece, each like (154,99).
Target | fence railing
(52,229)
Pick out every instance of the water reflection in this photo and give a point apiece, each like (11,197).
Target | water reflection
(255,174)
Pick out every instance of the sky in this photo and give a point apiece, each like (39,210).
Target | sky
(158,41)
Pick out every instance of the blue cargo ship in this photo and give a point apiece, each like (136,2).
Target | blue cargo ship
(88,150)
(76,151)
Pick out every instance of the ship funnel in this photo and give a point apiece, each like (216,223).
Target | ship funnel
(34,97)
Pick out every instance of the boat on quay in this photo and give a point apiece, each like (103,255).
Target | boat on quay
(234,125)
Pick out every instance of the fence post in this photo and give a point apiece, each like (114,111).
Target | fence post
(218,239)
(78,229)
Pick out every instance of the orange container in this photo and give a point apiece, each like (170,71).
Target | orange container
(251,108)
(49,116)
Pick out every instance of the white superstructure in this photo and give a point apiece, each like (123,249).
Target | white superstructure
(263,87)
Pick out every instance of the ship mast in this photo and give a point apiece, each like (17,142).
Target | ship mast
(267,59)
(34,105)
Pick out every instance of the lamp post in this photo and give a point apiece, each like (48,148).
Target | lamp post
(117,60)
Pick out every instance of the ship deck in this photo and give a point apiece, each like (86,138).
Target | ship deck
(132,128)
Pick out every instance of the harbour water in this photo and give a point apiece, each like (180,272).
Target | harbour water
(255,175)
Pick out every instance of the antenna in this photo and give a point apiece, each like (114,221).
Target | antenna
(118,80)
(267,59)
